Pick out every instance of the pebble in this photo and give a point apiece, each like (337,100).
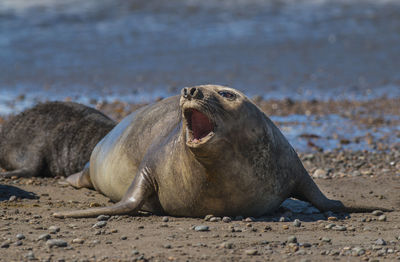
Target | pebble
(377,213)
(20,236)
(215,219)
(358,251)
(251,252)
(339,228)
(167,246)
(201,228)
(124,237)
(329,226)
(103,218)
(18,243)
(30,256)
(78,241)
(283,219)
(382,218)
(292,239)
(326,239)
(56,242)
(165,219)
(135,252)
(12,198)
(249,219)
(226,245)
(296,223)
(44,237)
(208,217)
(380,241)
(5,244)
(320,173)
(226,219)
(54,229)
(100,224)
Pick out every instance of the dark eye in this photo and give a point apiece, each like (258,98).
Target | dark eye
(227,94)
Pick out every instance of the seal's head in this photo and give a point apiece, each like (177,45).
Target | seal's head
(215,116)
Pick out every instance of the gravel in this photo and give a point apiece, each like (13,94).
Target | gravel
(201,228)
(56,243)
(100,224)
(103,218)
(296,223)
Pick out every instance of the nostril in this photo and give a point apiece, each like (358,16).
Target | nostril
(184,92)
(193,91)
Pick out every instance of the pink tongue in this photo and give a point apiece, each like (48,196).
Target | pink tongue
(201,125)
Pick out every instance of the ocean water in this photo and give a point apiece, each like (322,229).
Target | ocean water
(138,51)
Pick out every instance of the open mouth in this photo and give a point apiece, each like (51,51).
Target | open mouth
(199,127)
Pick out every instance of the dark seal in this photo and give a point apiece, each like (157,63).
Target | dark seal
(51,139)
(209,151)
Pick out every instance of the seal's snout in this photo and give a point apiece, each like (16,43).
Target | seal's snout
(192,92)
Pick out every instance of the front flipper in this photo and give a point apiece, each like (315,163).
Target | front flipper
(138,192)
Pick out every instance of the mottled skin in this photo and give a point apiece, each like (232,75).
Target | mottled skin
(51,139)
(151,162)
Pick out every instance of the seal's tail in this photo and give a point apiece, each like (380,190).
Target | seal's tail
(307,190)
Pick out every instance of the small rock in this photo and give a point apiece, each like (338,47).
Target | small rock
(249,219)
(54,229)
(251,252)
(12,198)
(339,228)
(330,226)
(332,218)
(382,218)
(326,239)
(380,241)
(30,256)
(283,219)
(358,251)
(100,224)
(20,236)
(5,244)
(201,228)
(103,218)
(78,241)
(124,237)
(56,243)
(18,243)
(135,252)
(167,246)
(215,219)
(292,239)
(44,237)
(296,223)
(226,219)
(208,217)
(165,219)
(226,245)
(377,212)
(320,173)
(267,228)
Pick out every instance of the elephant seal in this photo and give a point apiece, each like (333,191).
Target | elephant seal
(51,139)
(209,151)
